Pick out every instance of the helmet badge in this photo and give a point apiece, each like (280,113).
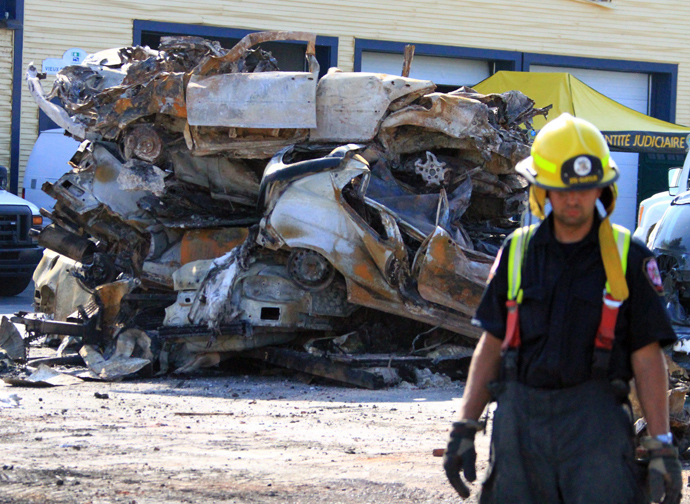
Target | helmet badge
(582,166)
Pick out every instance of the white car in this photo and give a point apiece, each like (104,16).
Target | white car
(652,209)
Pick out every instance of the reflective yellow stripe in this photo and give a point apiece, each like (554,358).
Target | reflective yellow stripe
(622,237)
(514,260)
(518,245)
(543,163)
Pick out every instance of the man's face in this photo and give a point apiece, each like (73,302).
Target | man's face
(574,209)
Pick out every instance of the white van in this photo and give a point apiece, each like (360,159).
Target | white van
(47,162)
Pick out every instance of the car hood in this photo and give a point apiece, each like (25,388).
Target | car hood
(7,198)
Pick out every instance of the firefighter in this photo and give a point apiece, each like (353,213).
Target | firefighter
(572,311)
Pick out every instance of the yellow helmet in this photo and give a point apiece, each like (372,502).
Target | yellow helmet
(569,153)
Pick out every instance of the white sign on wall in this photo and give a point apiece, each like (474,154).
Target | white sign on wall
(72,56)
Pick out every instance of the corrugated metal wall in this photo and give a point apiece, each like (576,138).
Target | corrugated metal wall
(633,30)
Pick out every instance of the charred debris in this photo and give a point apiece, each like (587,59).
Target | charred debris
(341,225)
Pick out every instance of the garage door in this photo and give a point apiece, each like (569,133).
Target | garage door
(631,90)
(442,71)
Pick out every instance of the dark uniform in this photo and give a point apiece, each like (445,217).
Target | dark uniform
(558,434)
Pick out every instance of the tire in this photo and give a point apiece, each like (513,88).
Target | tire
(11,286)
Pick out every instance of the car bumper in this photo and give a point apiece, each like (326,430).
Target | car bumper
(19,261)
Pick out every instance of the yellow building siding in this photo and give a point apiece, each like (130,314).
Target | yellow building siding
(6,37)
(632,30)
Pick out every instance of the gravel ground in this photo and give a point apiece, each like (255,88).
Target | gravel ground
(228,439)
(241,439)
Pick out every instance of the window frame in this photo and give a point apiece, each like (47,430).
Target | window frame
(664,76)
(326,47)
(501,60)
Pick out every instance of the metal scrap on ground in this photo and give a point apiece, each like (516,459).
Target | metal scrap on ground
(218,205)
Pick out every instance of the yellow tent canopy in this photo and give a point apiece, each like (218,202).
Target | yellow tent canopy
(625,129)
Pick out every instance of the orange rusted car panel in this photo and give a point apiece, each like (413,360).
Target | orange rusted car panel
(199,244)
(450,275)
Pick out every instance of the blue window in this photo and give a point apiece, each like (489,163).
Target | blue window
(448,66)
(8,10)
(290,55)
(663,77)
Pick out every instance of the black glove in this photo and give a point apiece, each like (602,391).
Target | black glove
(460,455)
(665,475)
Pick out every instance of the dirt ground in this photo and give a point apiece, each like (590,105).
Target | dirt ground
(227,439)
(242,439)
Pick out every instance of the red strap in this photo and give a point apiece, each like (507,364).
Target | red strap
(512,339)
(607,326)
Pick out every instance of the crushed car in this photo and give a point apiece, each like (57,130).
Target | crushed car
(669,241)
(218,206)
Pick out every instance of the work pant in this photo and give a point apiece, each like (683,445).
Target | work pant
(568,446)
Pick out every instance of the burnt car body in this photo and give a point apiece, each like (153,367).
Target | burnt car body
(670,243)
(199,223)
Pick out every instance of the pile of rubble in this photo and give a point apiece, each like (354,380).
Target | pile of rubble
(218,205)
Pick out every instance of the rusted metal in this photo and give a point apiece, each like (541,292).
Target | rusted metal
(11,341)
(68,244)
(373,263)
(351,105)
(318,366)
(253,100)
(450,276)
(110,296)
(57,291)
(199,244)
(162,197)
(44,376)
(113,369)
(407,60)
(86,329)
(69,360)
(248,41)
(456,117)
(190,331)
(250,143)
(143,142)
(120,107)
(382,360)
(56,113)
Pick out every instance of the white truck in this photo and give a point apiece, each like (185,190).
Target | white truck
(653,208)
(47,162)
(20,222)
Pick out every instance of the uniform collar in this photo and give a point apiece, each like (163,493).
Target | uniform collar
(544,233)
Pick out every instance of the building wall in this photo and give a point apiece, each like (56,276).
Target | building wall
(632,30)
(6,45)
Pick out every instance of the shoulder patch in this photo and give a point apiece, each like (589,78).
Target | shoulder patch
(651,271)
(494,266)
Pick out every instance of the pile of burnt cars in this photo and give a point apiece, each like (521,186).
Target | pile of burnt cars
(218,205)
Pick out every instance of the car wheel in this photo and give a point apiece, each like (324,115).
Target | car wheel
(11,286)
